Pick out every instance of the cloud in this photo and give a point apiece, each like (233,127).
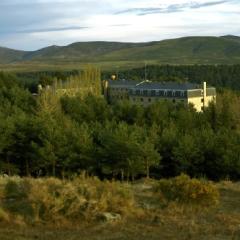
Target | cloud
(172,8)
(207,4)
(32,24)
(55,29)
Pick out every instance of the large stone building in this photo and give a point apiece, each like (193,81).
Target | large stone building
(148,92)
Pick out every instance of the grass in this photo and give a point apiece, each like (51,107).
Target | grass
(145,214)
(114,66)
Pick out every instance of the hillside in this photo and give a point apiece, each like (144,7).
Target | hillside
(81,51)
(9,55)
(184,50)
(187,50)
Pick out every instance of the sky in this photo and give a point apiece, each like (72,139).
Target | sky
(34,24)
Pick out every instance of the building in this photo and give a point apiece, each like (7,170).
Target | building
(148,92)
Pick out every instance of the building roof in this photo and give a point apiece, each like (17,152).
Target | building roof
(148,85)
(167,85)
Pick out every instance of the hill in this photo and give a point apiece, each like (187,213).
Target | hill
(81,51)
(9,55)
(187,50)
(204,50)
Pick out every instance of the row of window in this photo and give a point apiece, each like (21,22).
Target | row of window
(163,93)
(168,93)
(151,99)
(119,97)
(119,89)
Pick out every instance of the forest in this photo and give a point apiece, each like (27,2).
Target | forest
(62,136)
(221,76)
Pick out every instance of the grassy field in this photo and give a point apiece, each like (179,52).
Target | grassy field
(150,217)
(114,66)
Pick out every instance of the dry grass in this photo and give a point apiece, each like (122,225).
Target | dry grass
(56,202)
(144,214)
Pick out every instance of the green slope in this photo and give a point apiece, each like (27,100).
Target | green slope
(9,55)
(188,50)
(183,50)
(81,51)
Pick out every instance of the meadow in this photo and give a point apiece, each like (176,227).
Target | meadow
(178,208)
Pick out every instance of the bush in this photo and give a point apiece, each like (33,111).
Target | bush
(16,198)
(56,201)
(183,189)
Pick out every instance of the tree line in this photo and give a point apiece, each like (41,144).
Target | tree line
(221,76)
(61,136)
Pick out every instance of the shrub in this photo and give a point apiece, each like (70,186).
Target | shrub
(185,190)
(16,198)
(56,201)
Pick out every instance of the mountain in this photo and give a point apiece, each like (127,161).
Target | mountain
(9,55)
(232,37)
(80,51)
(187,50)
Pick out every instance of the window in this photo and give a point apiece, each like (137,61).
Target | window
(141,99)
(169,93)
(202,100)
(145,92)
(149,99)
(161,93)
(173,93)
(174,100)
(153,93)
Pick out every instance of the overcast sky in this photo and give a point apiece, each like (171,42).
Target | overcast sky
(33,24)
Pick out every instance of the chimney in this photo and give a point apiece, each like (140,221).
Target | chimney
(204,94)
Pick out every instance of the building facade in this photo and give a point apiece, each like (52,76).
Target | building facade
(148,92)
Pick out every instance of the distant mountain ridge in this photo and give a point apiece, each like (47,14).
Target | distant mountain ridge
(186,50)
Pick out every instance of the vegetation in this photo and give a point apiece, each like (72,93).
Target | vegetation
(59,202)
(60,135)
(49,208)
(221,76)
(189,191)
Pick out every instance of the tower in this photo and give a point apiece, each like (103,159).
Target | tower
(204,94)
